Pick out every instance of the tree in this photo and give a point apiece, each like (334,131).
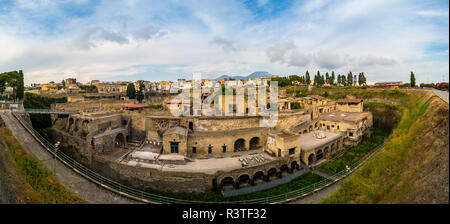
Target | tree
(413,80)
(307,78)
(354,80)
(131,92)
(327,78)
(350,78)
(140,92)
(361,79)
(343,80)
(332,78)
(318,81)
(12,79)
(20,86)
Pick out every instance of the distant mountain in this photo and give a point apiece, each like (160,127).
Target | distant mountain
(253,75)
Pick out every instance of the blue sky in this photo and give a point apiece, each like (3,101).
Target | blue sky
(166,40)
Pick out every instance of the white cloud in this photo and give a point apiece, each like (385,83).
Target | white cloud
(432,13)
(382,38)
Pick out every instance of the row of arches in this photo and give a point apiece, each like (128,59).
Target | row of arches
(77,125)
(239,145)
(309,129)
(258,177)
(324,152)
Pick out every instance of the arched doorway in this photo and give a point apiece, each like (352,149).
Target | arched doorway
(258,177)
(76,123)
(295,166)
(239,145)
(271,173)
(227,183)
(283,170)
(254,143)
(70,124)
(119,141)
(244,181)
(319,155)
(311,159)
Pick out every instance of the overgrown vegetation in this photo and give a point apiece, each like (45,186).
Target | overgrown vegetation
(377,177)
(45,188)
(12,79)
(355,153)
(155,106)
(36,101)
(89,88)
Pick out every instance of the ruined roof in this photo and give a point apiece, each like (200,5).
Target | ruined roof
(176,130)
(317,97)
(309,142)
(133,106)
(282,133)
(344,116)
(349,101)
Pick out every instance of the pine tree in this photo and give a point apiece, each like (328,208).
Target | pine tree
(318,78)
(327,78)
(131,92)
(350,79)
(140,92)
(413,80)
(20,86)
(307,78)
(332,78)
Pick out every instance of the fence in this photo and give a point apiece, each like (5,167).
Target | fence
(48,111)
(154,198)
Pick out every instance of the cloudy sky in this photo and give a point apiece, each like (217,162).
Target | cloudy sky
(170,39)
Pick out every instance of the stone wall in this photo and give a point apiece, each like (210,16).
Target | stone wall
(154,179)
(75,147)
(202,140)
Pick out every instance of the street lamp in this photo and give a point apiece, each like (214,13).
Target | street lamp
(54,161)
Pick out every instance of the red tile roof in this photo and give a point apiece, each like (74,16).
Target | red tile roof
(134,105)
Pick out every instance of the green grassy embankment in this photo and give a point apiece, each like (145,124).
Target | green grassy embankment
(412,167)
(37,184)
(354,153)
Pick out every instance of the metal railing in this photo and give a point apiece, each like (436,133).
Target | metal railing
(48,111)
(154,198)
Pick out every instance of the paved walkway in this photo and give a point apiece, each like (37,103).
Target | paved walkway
(442,94)
(89,191)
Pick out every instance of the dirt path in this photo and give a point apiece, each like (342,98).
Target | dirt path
(442,94)
(79,185)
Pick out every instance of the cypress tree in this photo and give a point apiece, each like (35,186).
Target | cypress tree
(131,92)
(413,80)
(307,78)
